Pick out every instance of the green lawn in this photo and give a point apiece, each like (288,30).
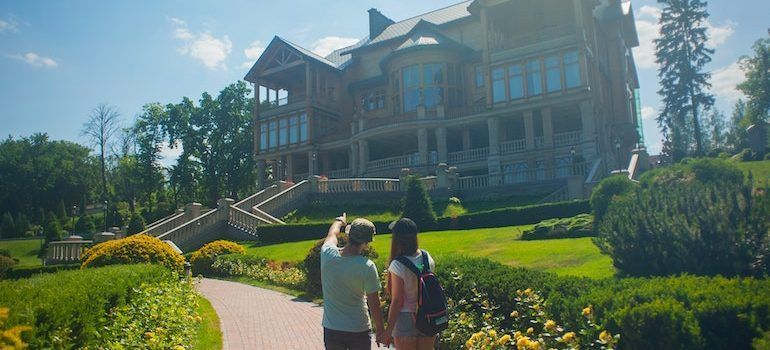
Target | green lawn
(209,334)
(23,249)
(759,169)
(578,257)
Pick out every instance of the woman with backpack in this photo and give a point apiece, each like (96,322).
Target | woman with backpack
(413,291)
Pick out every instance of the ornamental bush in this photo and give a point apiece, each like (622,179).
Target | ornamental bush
(700,218)
(608,190)
(136,224)
(417,204)
(85,224)
(202,258)
(574,227)
(259,269)
(132,250)
(312,263)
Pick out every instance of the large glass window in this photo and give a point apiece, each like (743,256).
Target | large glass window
(552,73)
(302,127)
(498,84)
(263,136)
(433,82)
(293,129)
(534,78)
(411,88)
(515,81)
(572,69)
(273,134)
(283,127)
(479,76)
(373,100)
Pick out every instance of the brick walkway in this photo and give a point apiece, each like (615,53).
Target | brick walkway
(257,318)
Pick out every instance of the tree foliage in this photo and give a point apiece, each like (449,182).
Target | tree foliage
(681,54)
(417,205)
(756,87)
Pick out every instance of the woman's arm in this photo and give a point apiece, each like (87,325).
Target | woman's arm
(396,301)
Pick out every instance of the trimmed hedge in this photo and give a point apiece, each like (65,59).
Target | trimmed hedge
(131,250)
(67,309)
(575,227)
(665,312)
(526,215)
(202,258)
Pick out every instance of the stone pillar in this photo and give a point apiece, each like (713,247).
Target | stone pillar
(402,178)
(261,174)
(354,158)
(312,162)
(588,145)
(441,176)
(466,138)
(224,205)
(575,187)
(290,167)
(452,177)
(493,160)
(529,130)
(441,144)
(422,145)
(547,127)
(363,155)
(192,211)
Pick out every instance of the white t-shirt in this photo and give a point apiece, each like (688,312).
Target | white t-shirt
(410,279)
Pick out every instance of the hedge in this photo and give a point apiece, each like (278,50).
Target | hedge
(66,310)
(525,215)
(575,227)
(708,312)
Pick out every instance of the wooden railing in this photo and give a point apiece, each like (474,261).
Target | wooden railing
(567,138)
(165,225)
(389,163)
(470,155)
(356,185)
(194,229)
(63,252)
(277,204)
(514,146)
(245,221)
(250,201)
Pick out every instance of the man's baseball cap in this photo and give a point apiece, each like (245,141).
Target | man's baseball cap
(360,231)
(403,227)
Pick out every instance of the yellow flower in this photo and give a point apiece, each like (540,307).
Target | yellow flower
(149,335)
(469,344)
(528,291)
(530,330)
(568,337)
(533,345)
(515,314)
(605,337)
(178,347)
(550,325)
(504,339)
(587,311)
(522,342)
(198,319)
(517,335)
(493,333)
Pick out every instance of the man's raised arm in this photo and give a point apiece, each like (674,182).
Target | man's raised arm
(339,223)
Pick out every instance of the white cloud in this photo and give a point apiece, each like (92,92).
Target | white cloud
(203,46)
(252,53)
(325,46)
(648,113)
(724,80)
(168,155)
(36,60)
(648,30)
(8,26)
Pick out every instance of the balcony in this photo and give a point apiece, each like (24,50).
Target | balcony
(507,42)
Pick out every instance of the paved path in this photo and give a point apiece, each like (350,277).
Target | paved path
(257,318)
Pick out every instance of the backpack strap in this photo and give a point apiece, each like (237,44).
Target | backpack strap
(404,260)
(425,262)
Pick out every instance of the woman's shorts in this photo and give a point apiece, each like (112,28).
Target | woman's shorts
(405,326)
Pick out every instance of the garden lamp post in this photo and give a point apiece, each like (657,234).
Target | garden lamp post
(617,151)
(195,190)
(74,212)
(105,216)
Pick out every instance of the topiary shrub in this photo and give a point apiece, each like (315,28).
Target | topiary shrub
(52,230)
(606,191)
(574,227)
(312,263)
(202,258)
(417,205)
(132,250)
(454,208)
(659,324)
(136,224)
(85,224)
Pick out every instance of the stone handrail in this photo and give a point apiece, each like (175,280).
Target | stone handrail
(522,176)
(539,142)
(192,230)
(473,182)
(250,201)
(62,252)
(339,173)
(389,163)
(430,182)
(276,204)
(567,138)
(166,225)
(245,220)
(513,146)
(471,155)
(358,185)
(265,216)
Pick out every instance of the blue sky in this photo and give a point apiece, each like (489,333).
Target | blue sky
(59,59)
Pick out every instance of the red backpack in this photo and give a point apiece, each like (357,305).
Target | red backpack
(431,316)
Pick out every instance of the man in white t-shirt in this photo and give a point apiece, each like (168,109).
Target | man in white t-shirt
(350,282)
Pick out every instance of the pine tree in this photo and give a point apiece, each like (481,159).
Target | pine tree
(136,224)
(52,230)
(716,130)
(417,204)
(736,138)
(681,54)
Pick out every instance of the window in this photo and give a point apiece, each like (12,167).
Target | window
(498,85)
(373,100)
(552,74)
(572,69)
(515,81)
(262,136)
(283,127)
(433,82)
(411,88)
(534,82)
(293,129)
(479,76)
(302,127)
(273,134)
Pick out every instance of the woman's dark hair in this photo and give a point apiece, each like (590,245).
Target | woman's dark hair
(403,241)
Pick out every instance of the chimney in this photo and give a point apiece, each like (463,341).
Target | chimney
(377,23)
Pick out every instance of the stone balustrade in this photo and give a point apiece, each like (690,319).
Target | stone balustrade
(389,163)
(246,221)
(259,197)
(277,204)
(166,224)
(356,185)
(513,146)
(471,155)
(567,138)
(340,173)
(430,182)
(66,252)
(192,231)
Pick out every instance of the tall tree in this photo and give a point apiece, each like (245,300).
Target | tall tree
(736,138)
(149,138)
(681,54)
(757,84)
(716,130)
(102,124)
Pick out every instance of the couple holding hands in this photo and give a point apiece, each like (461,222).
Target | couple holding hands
(351,282)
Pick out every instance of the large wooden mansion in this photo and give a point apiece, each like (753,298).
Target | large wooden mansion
(522,90)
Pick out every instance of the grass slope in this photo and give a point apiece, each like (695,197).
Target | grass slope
(23,249)
(208,333)
(577,257)
(759,169)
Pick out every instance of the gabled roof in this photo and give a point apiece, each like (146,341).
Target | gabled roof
(426,35)
(278,42)
(402,28)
